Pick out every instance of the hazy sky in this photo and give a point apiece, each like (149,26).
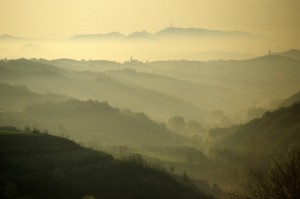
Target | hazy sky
(278,18)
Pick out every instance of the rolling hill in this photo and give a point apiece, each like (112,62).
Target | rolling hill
(269,77)
(87,121)
(42,77)
(16,97)
(164,89)
(212,85)
(95,121)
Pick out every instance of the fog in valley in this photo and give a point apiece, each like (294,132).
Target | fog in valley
(176,112)
(169,43)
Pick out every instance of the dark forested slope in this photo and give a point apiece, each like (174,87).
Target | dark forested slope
(35,165)
(272,133)
(295,98)
(98,121)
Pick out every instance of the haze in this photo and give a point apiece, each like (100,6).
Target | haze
(53,17)
(149,99)
(275,21)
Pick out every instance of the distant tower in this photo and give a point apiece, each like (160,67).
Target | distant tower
(269,52)
(171,25)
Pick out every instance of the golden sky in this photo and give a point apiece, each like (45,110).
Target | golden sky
(34,18)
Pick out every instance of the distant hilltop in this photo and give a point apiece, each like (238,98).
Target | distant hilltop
(166,32)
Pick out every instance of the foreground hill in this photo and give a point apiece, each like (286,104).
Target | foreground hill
(35,165)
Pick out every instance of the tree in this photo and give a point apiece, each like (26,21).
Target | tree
(176,123)
(281,182)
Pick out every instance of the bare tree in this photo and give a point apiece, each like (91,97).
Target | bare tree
(281,182)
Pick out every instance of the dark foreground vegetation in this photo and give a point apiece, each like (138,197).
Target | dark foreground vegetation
(282,180)
(36,165)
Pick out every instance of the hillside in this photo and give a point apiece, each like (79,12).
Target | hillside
(270,135)
(99,122)
(16,97)
(163,89)
(120,132)
(42,77)
(35,165)
(209,86)
(293,53)
(291,100)
(269,77)
(195,93)
(87,121)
